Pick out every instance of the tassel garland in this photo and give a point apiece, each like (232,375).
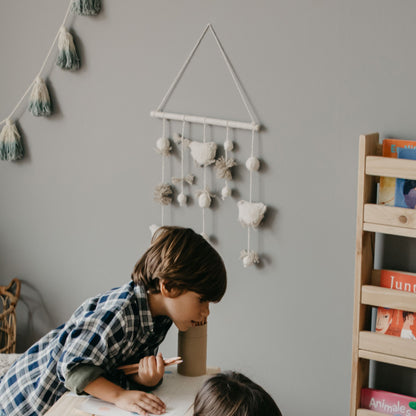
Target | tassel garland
(67,53)
(40,102)
(11,147)
(86,7)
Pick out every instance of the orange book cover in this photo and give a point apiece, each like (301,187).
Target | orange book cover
(387,188)
(393,321)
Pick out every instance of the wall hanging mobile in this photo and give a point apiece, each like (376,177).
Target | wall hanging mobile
(11,146)
(203,153)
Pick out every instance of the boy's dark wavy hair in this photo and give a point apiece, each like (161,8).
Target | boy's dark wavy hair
(185,261)
(233,394)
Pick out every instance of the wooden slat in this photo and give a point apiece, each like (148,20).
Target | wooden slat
(366,193)
(366,412)
(387,344)
(391,216)
(386,229)
(391,167)
(388,298)
(389,359)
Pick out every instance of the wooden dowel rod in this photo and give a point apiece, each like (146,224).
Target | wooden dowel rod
(206,120)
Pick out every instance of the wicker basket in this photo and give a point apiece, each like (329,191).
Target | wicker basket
(9,295)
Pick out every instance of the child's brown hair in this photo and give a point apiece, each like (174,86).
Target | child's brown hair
(184,260)
(233,394)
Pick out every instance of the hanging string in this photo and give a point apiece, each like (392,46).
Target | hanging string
(226,147)
(162,207)
(236,81)
(182,149)
(42,67)
(251,171)
(205,181)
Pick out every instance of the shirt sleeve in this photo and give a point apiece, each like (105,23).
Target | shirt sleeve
(80,376)
(95,340)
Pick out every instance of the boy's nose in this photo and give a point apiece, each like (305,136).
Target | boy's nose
(205,310)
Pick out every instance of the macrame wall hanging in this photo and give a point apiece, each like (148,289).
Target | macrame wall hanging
(11,146)
(204,154)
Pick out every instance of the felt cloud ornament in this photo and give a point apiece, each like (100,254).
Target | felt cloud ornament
(250,214)
(249,257)
(223,167)
(153,228)
(67,53)
(163,146)
(203,153)
(40,102)
(204,198)
(163,194)
(11,147)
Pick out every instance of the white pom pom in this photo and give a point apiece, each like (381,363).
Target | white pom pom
(182,199)
(225,192)
(205,235)
(204,200)
(249,258)
(228,145)
(163,145)
(252,163)
(153,228)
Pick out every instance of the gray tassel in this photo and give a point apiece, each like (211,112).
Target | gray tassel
(11,147)
(67,53)
(40,102)
(86,7)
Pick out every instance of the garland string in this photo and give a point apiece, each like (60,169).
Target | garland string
(42,67)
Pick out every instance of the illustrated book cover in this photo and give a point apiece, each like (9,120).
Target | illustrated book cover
(393,321)
(388,403)
(387,188)
(405,191)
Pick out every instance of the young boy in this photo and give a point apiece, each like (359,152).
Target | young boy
(174,281)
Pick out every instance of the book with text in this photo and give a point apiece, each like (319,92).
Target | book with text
(388,403)
(393,321)
(388,185)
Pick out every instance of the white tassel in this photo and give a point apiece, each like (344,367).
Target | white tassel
(11,147)
(67,53)
(40,102)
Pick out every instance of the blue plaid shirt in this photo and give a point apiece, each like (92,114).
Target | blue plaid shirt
(106,331)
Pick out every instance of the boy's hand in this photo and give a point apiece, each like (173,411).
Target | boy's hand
(151,370)
(140,402)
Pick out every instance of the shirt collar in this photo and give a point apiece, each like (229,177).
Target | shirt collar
(147,322)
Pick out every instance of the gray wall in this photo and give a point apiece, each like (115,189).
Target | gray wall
(74,214)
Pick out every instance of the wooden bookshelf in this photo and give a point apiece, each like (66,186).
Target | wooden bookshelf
(371,219)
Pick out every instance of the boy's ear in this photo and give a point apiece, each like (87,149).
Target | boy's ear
(169,293)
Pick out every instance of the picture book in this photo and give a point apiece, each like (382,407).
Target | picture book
(388,403)
(387,186)
(393,279)
(393,321)
(405,192)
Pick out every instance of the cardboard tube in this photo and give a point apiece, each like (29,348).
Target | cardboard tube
(192,347)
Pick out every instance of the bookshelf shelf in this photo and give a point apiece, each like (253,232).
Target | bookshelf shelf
(388,298)
(365,412)
(371,219)
(393,168)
